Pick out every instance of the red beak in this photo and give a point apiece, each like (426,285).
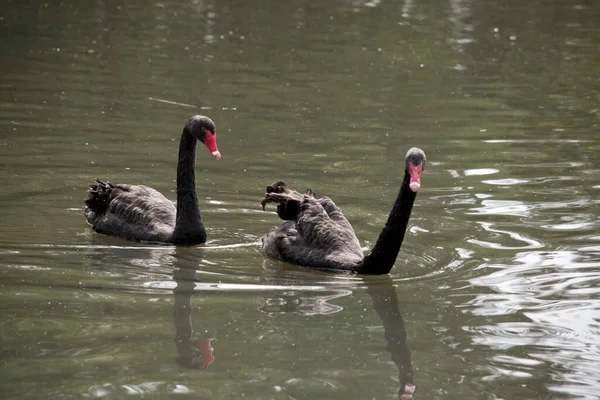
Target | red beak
(415,176)
(211,143)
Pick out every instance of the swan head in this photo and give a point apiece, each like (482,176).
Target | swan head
(203,129)
(415,165)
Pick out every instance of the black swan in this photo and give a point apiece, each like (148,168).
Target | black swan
(316,234)
(140,213)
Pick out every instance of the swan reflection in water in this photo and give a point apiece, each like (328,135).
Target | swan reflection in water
(285,291)
(379,288)
(309,300)
(386,305)
(189,354)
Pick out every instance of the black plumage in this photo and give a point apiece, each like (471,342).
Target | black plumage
(140,213)
(316,234)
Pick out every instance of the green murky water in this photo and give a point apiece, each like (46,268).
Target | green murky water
(495,294)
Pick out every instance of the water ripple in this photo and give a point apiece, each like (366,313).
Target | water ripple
(541,141)
(502,207)
(506,181)
(530,243)
(481,171)
(541,274)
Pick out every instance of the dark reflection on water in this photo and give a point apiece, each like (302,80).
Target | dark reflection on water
(191,356)
(385,303)
(196,353)
(199,334)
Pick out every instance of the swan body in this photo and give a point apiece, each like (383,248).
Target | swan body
(140,213)
(316,234)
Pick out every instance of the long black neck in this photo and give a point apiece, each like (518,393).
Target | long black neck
(383,256)
(188,226)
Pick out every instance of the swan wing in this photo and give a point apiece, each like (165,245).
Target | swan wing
(287,244)
(327,230)
(134,212)
(335,213)
(316,235)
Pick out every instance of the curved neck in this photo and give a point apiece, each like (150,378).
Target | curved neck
(383,256)
(188,225)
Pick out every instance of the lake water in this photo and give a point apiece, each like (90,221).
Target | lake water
(495,294)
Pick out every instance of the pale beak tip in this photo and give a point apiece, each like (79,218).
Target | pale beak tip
(415,186)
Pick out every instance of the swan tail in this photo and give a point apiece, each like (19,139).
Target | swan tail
(98,199)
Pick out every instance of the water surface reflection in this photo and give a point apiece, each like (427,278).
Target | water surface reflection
(290,294)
